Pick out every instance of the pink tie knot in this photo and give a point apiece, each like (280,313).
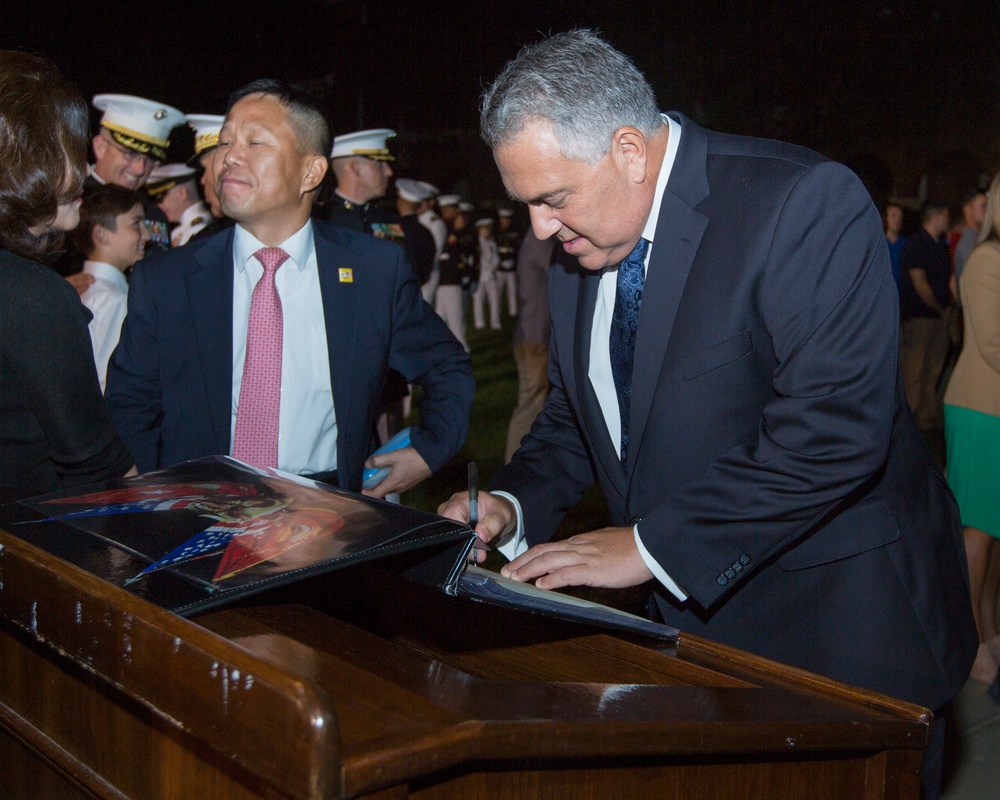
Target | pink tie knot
(271,258)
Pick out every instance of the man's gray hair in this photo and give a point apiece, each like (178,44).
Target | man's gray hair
(580,84)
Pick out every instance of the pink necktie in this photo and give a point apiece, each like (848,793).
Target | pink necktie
(256,437)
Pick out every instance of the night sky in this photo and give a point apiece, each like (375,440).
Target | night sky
(895,89)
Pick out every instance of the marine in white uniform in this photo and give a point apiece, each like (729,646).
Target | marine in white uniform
(508,245)
(488,288)
(174,189)
(206,140)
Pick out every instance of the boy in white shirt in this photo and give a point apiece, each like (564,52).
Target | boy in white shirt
(112,234)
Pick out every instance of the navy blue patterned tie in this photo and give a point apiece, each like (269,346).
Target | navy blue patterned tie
(624,321)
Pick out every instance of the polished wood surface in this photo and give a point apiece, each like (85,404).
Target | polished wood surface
(361,684)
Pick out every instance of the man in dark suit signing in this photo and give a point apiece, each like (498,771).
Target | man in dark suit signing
(270,341)
(759,461)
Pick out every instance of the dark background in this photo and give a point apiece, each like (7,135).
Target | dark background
(898,90)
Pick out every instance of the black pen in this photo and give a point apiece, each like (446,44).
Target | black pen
(473,495)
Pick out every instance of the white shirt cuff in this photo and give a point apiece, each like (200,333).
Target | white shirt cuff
(513,544)
(656,569)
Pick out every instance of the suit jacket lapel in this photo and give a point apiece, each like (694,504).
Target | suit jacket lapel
(340,311)
(209,289)
(678,235)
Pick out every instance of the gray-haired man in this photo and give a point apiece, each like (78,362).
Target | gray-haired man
(759,461)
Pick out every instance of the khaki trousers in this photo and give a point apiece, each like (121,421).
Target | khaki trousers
(923,349)
(532,360)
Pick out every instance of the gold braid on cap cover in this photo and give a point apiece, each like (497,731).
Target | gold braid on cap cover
(379,154)
(205,141)
(161,188)
(140,142)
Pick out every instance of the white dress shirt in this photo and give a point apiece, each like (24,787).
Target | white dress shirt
(600,360)
(307,425)
(107,299)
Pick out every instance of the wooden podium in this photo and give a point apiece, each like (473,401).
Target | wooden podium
(360,684)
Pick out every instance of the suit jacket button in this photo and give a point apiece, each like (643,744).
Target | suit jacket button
(737,566)
(745,559)
(722,580)
(730,573)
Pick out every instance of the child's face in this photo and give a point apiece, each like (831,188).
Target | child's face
(127,243)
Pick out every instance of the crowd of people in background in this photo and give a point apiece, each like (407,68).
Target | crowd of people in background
(948,276)
(133,204)
(282,312)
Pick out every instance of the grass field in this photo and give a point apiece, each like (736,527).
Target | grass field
(496,395)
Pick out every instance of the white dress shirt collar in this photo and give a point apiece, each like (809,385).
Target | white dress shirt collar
(299,246)
(673,142)
(106,272)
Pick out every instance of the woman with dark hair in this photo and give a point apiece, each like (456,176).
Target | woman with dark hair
(54,429)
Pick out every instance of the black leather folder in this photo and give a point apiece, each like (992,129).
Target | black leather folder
(211,531)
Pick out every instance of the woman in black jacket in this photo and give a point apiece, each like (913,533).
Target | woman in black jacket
(54,429)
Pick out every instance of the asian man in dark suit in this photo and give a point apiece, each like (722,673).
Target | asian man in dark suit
(270,341)
(759,461)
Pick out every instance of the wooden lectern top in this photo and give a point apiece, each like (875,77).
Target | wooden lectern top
(361,684)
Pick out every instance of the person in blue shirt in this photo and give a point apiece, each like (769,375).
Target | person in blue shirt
(893,236)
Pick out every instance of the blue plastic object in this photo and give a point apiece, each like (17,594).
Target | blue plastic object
(372,477)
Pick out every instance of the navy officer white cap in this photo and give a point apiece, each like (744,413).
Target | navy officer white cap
(370,144)
(137,123)
(411,190)
(206,130)
(171,171)
(431,189)
(164,178)
(448,199)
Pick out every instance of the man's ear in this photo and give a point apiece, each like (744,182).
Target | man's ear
(316,169)
(100,145)
(631,150)
(99,236)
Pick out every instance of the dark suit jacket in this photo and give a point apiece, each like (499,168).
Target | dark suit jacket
(419,245)
(775,472)
(170,379)
(54,428)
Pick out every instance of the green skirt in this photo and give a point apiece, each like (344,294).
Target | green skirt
(972,439)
